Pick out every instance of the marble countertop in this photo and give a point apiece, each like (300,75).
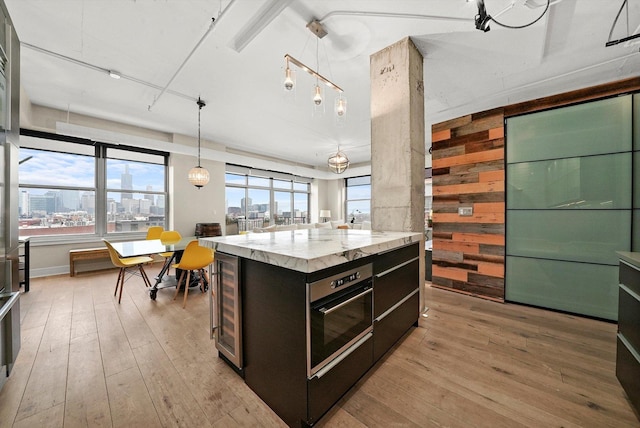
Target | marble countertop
(631,258)
(310,250)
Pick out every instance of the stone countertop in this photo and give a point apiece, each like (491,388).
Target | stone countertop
(631,258)
(310,250)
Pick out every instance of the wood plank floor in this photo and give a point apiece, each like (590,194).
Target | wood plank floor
(87,361)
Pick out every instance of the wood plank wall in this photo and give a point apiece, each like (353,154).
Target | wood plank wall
(468,171)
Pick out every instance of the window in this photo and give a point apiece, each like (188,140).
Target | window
(71,186)
(135,190)
(358,203)
(256,198)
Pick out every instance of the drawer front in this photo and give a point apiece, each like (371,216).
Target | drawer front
(392,327)
(324,392)
(630,277)
(394,286)
(628,373)
(629,316)
(386,261)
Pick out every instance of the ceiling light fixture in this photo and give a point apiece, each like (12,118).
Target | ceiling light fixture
(628,37)
(290,82)
(482,19)
(114,74)
(199,176)
(340,105)
(338,162)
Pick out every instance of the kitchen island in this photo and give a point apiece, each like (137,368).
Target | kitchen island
(303,314)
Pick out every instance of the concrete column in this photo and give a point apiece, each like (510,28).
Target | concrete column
(397,138)
(397,143)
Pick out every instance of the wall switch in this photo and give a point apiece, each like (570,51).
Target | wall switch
(465,211)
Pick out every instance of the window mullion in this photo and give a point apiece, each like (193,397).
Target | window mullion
(101,191)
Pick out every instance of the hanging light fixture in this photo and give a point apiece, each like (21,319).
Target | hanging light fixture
(289,79)
(340,109)
(199,176)
(338,162)
(340,105)
(317,97)
(289,84)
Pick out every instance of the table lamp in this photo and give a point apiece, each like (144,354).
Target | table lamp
(325,215)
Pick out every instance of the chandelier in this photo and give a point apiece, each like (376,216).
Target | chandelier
(340,104)
(338,162)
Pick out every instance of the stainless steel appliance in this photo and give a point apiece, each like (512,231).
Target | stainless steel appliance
(9,333)
(339,319)
(9,150)
(227,322)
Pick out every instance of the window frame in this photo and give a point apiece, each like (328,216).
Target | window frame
(273,188)
(348,215)
(100,150)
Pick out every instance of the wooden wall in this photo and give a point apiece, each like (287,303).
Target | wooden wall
(468,171)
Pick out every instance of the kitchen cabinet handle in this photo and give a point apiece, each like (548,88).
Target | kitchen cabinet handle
(346,302)
(378,275)
(341,357)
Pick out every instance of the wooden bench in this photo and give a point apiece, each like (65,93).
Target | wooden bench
(85,254)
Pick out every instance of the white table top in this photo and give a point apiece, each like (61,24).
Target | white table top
(310,250)
(144,247)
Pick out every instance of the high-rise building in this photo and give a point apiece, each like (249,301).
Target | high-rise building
(88,202)
(43,204)
(149,197)
(126,183)
(23,204)
(69,200)
(245,204)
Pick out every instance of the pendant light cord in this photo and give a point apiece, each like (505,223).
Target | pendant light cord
(200,105)
(317,59)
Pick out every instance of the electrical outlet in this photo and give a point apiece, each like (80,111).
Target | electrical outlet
(465,211)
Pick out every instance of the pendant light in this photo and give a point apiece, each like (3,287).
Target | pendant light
(338,162)
(318,96)
(199,176)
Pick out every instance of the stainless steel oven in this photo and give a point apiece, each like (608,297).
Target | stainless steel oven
(339,317)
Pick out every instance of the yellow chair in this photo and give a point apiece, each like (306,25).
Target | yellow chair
(131,265)
(168,237)
(194,258)
(154,232)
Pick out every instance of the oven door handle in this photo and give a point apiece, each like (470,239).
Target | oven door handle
(326,311)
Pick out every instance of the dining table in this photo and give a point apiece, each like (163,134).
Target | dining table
(145,247)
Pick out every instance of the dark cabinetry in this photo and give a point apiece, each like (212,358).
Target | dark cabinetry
(396,303)
(628,339)
(274,354)
(24,262)
(275,346)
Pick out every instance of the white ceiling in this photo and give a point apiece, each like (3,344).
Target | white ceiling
(67,46)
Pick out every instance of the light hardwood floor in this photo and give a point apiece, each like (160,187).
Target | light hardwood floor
(87,361)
